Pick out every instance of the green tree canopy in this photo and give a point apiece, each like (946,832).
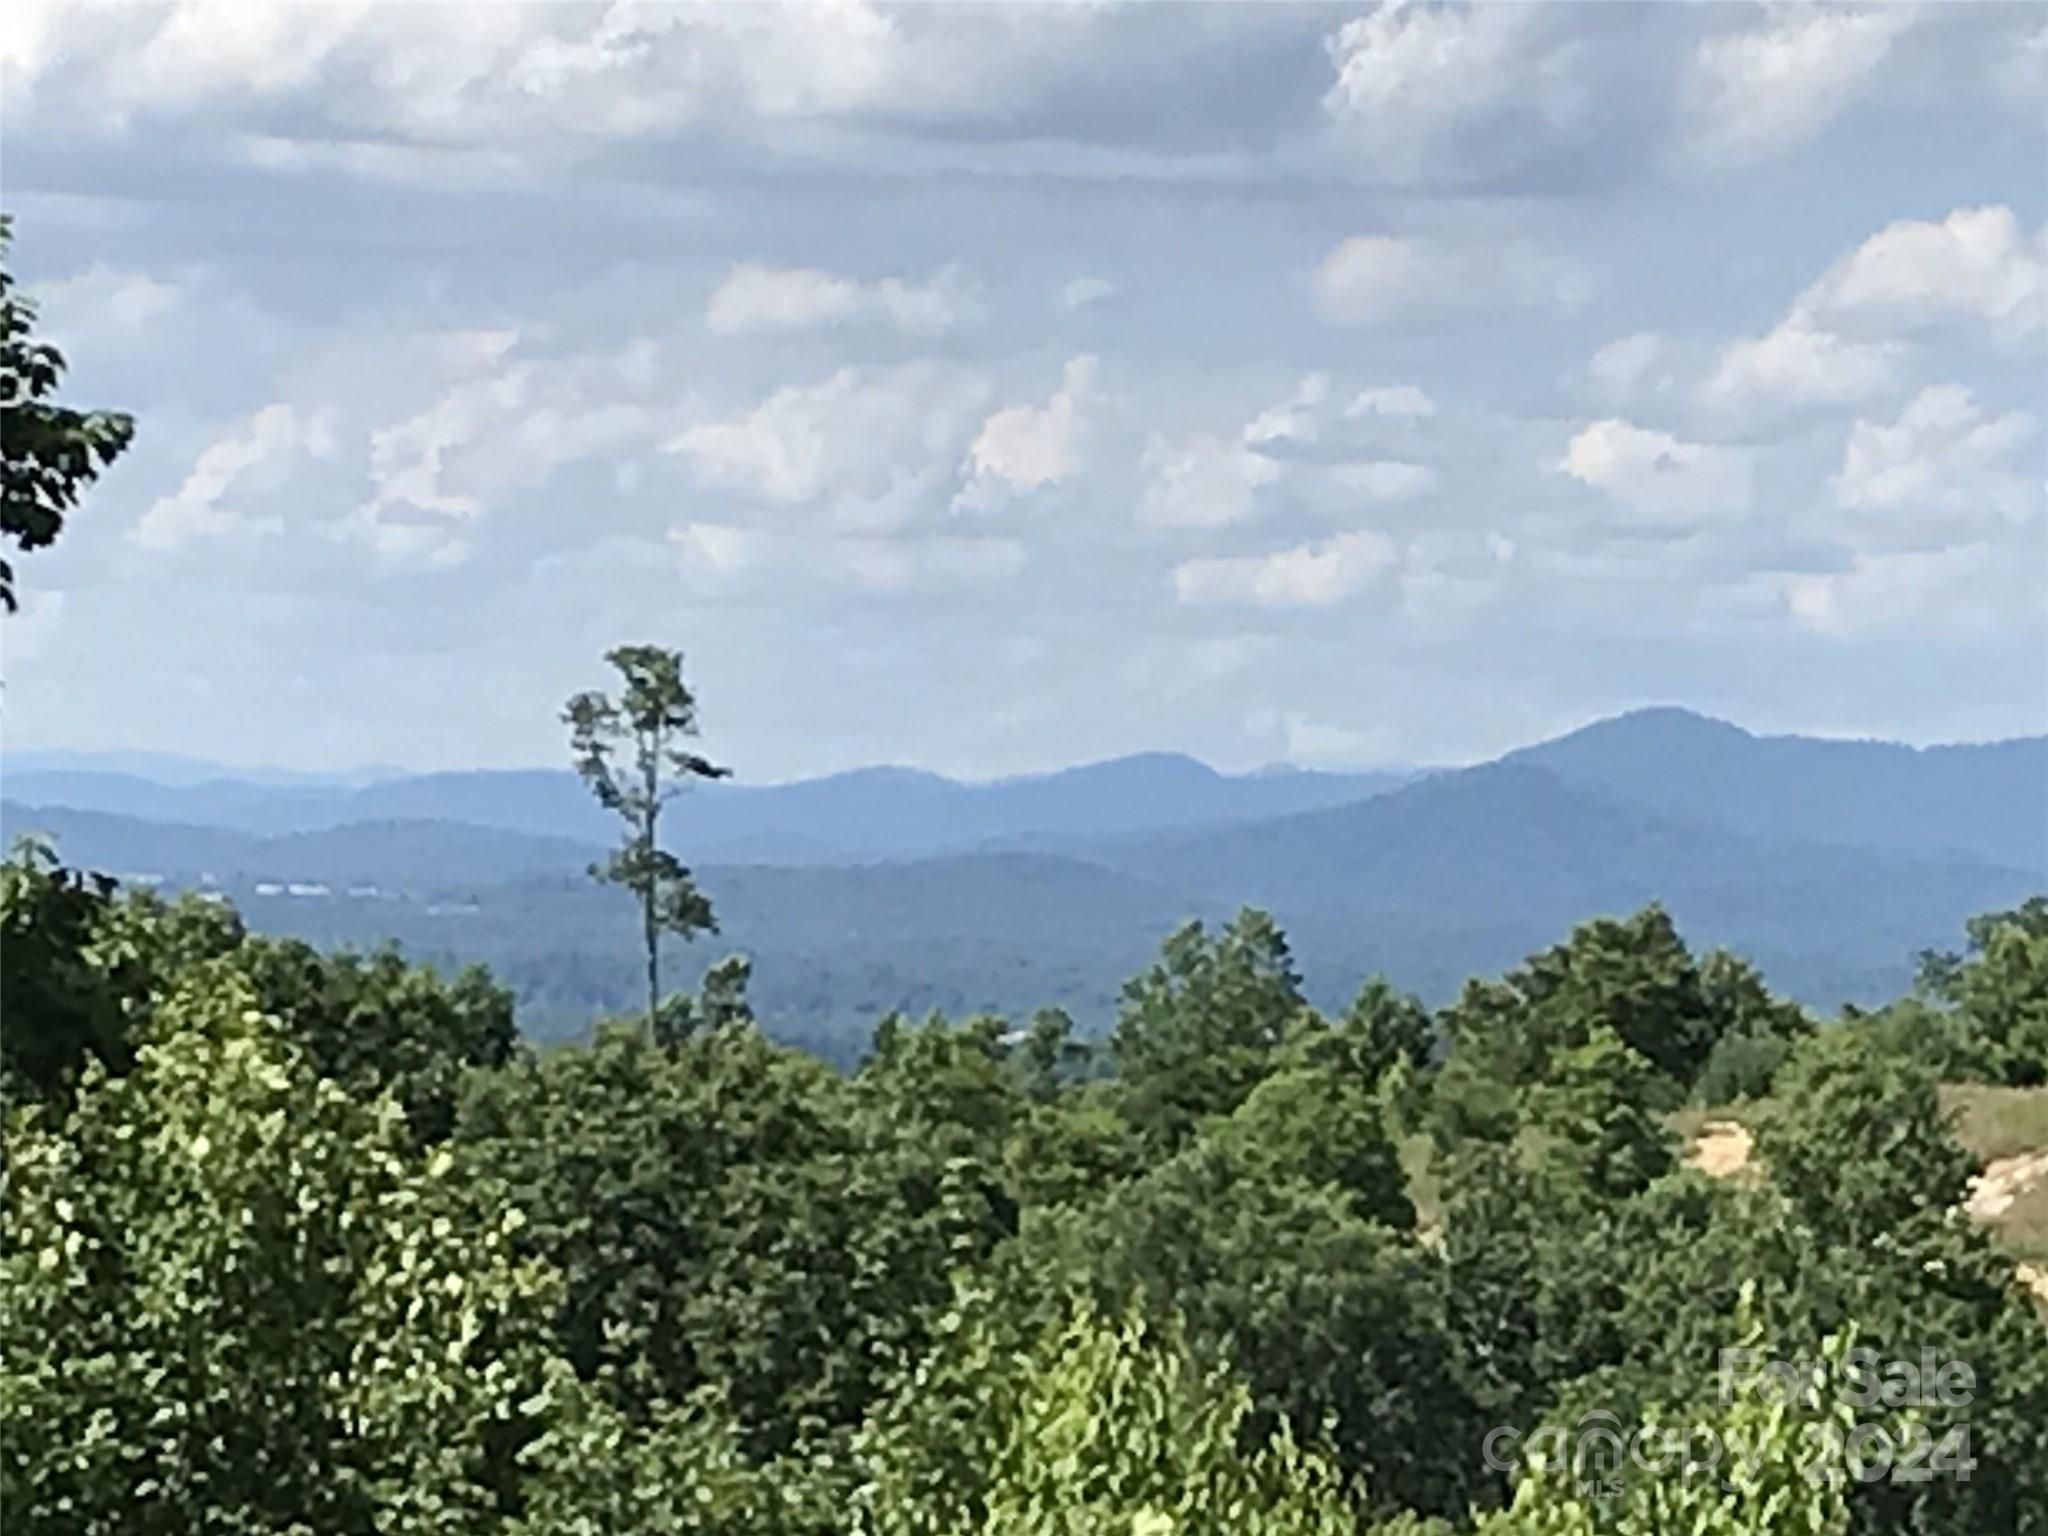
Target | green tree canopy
(1093,1429)
(1999,988)
(1201,1027)
(236,1299)
(49,453)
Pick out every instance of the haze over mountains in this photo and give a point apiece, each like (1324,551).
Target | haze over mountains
(1829,862)
(868,813)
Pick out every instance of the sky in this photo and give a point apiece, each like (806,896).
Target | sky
(996,387)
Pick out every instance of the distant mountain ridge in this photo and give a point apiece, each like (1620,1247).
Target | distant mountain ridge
(176,768)
(1989,801)
(865,813)
(1829,863)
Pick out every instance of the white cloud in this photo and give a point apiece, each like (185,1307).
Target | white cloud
(1297,419)
(27,37)
(1312,741)
(1023,447)
(500,424)
(1920,590)
(923,564)
(754,298)
(1375,279)
(532,75)
(1306,576)
(403,540)
(1976,264)
(720,549)
(1084,291)
(199,50)
(1944,455)
(103,298)
(1202,482)
(255,457)
(1208,481)
(1384,480)
(1621,369)
(1837,346)
(872,446)
(408,458)
(1773,88)
(1657,475)
(731,558)
(849,56)
(1797,365)
(1400,401)
(1413,82)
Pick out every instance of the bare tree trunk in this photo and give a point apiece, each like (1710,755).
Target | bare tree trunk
(653,969)
(649,931)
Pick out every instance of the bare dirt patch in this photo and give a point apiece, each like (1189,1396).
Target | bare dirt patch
(2003,1182)
(1721,1149)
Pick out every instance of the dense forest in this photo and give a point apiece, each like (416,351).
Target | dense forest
(312,1241)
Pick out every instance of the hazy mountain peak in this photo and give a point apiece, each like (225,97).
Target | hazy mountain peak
(1134,766)
(1662,723)
(881,775)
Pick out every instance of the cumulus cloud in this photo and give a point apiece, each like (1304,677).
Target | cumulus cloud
(1841,341)
(499,422)
(1208,480)
(920,564)
(757,298)
(1768,89)
(408,458)
(1306,576)
(254,460)
(535,76)
(1308,740)
(1623,368)
(1384,480)
(1202,481)
(1917,590)
(1377,279)
(732,558)
(873,447)
(720,549)
(1296,419)
(1084,291)
(1975,265)
(1405,402)
(1023,447)
(663,154)
(1374,277)
(102,299)
(401,540)
(1418,88)
(1656,475)
(1795,364)
(1944,455)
